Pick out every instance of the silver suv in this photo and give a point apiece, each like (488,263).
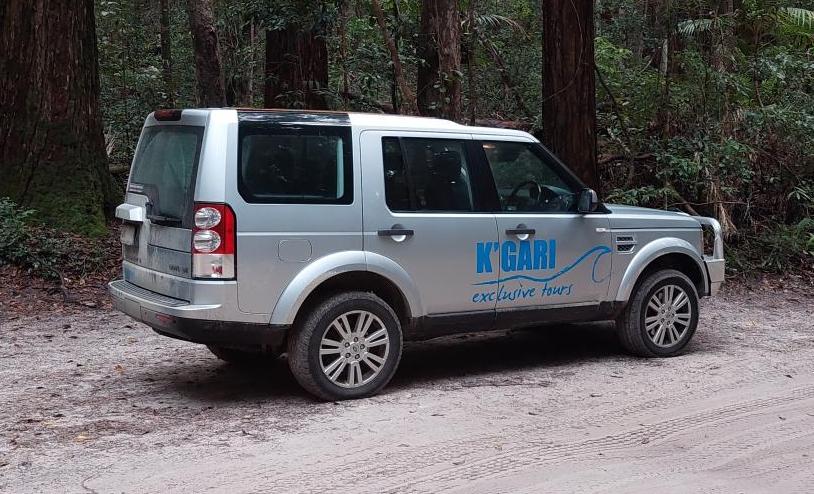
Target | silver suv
(334,237)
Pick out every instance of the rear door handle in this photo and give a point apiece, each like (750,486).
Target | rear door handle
(396,232)
(521,230)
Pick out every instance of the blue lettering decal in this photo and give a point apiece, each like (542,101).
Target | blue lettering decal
(482,297)
(508,261)
(555,290)
(540,261)
(524,256)
(484,262)
(516,294)
(552,254)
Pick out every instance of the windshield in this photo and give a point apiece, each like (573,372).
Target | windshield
(164,170)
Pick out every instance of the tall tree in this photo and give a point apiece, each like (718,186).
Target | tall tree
(569,87)
(447,30)
(208,70)
(427,85)
(52,150)
(296,67)
(439,46)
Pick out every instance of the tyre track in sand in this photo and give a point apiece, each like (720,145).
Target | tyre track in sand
(543,451)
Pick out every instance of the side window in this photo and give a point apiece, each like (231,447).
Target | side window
(426,174)
(285,166)
(525,182)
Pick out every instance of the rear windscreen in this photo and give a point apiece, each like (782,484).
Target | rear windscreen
(164,170)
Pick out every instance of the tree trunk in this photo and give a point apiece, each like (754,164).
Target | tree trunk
(342,32)
(208,70)
(52,149)
(448,41)
(408,100)
(471,46)
(427,83)
(296,69)
(569,92)
(166,52)
(439,45)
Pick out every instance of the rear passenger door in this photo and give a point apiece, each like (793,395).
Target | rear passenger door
(424,209)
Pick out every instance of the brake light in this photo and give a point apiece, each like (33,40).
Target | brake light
(214,241)
(167,115)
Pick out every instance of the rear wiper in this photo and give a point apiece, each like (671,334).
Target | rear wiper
(161,219)
(164,220)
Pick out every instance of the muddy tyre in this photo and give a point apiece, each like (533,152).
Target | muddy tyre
(661,317)
(347,347)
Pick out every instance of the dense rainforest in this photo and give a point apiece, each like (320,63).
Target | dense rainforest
(705,106)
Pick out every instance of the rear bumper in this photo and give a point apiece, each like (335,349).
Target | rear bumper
(190,322)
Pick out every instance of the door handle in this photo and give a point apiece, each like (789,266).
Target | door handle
(521,230)
(395,232)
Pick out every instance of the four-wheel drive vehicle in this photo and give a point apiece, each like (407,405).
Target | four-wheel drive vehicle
(334,237)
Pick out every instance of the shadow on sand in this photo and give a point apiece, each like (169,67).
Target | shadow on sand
(468,356)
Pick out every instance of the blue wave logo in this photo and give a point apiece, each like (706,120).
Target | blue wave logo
(599,250)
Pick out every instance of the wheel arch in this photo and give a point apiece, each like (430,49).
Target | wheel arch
(349,271)
(667,253)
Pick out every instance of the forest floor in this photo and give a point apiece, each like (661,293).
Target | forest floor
(91,401)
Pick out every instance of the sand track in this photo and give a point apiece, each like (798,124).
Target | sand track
(92,402)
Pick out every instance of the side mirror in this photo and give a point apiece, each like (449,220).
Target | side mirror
(587,201)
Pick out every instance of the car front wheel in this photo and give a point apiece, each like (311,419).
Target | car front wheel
(348,347)
(661,317)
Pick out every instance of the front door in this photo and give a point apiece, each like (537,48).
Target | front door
(423,208)
(547,254)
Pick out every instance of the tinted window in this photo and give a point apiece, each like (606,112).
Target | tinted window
(525,182)
(164,168)
(426,175)
(307,165)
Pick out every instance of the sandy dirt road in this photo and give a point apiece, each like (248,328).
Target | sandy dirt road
(92,402)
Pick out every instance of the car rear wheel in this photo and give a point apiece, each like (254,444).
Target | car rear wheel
(348,347)
(661,317)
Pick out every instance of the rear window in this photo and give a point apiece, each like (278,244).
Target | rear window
(304,165)
(164,170)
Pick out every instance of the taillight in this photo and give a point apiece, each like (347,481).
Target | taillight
(167,115)
(213,242)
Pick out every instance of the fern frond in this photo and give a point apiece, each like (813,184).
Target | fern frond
(692,27)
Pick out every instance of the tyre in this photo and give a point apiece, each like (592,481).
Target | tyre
(348,347)
(661,317)
(242,357)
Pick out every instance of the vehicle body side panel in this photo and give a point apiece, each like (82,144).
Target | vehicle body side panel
(264,230)
(321,270)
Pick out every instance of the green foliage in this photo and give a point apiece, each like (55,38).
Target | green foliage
(778,249)
(724,125)
(23,245)
(647,195)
